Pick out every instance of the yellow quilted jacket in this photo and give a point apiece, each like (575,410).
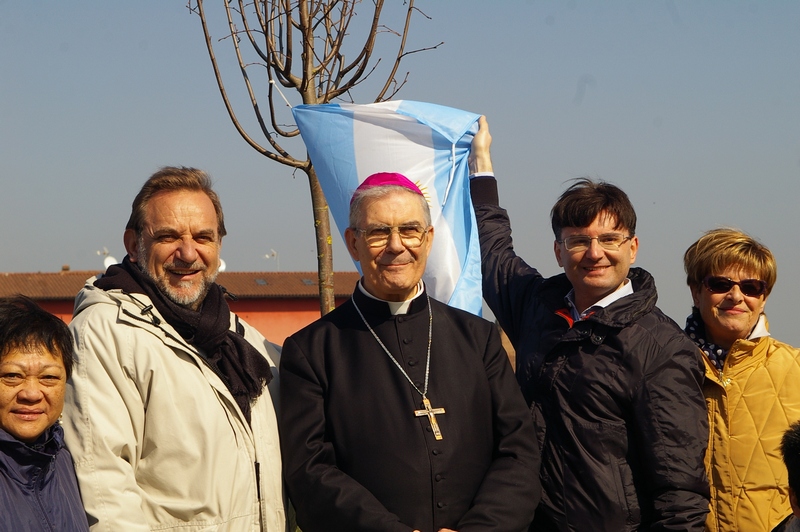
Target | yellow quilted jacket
(750,404)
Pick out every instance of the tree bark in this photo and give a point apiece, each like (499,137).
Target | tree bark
(322,232)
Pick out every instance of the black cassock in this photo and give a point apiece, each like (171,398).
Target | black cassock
(357,458)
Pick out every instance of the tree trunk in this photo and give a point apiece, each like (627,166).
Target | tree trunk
(322,231)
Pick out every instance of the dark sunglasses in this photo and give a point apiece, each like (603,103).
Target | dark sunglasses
(723,285)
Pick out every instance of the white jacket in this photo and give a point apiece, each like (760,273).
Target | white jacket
(159,442)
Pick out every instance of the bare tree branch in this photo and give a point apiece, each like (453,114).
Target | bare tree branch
(326,33)
(391,76)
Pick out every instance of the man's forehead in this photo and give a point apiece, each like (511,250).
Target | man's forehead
(167,208)
(394,203)
(195,229)
(604,219)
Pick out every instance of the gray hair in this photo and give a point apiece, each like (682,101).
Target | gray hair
(361,197)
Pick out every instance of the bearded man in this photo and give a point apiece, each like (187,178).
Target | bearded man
(168,414)
(398,412)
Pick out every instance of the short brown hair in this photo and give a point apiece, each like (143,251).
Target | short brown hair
(719,249)
(171,179)
(585,199)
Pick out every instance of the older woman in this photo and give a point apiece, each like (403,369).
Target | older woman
(38,488)
(752,384)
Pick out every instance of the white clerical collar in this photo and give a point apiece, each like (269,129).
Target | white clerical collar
(625,290)
(395,307)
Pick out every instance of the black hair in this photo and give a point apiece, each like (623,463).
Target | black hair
(24,324)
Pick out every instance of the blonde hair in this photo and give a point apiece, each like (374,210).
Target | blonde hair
(723,248)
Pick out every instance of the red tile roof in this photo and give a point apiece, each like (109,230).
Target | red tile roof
(65,285)
(246,285)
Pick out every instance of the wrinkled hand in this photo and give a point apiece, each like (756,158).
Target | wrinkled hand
(480,157)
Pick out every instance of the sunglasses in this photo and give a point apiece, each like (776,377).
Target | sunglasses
(723,285)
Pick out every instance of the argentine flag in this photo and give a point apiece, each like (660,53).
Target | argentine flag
(427,143)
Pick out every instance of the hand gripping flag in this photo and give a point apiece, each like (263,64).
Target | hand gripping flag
(427,143)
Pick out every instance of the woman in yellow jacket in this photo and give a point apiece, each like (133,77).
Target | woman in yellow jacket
(752,385)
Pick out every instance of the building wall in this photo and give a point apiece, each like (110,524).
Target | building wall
(276,319)
(62,309)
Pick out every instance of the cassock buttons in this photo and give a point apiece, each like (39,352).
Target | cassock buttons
(406,341)
(412,361)
(440,505)
(436,452)
(438,477)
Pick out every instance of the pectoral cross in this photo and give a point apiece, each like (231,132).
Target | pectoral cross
(431,413)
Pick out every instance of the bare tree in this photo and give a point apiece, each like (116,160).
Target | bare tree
(301,45)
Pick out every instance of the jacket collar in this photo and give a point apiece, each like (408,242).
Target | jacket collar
(136,310)
(133,309)
(618,314)
(19,459)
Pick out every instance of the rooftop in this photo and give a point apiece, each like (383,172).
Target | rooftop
(65,285)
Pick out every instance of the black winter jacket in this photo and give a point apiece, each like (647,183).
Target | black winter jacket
(616,398)
(38,488)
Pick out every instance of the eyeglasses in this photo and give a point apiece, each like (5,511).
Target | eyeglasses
(412,236)
(723,285)
(609,241)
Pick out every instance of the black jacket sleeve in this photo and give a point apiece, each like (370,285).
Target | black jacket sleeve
(507,279)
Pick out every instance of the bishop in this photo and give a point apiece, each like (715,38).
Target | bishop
(358,452)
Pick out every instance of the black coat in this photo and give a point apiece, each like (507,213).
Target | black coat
(617,398)
(38,488)
(355,456)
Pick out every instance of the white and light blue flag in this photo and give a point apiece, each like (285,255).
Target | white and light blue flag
(427,143)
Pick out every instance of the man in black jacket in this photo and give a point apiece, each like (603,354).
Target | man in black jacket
(613,383)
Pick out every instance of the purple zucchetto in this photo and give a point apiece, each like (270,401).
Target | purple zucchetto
(387,178)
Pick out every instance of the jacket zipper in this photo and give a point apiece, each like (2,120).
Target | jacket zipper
(37,489)
(723,381)
(258,481)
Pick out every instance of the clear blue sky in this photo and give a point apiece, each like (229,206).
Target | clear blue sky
(691,107)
